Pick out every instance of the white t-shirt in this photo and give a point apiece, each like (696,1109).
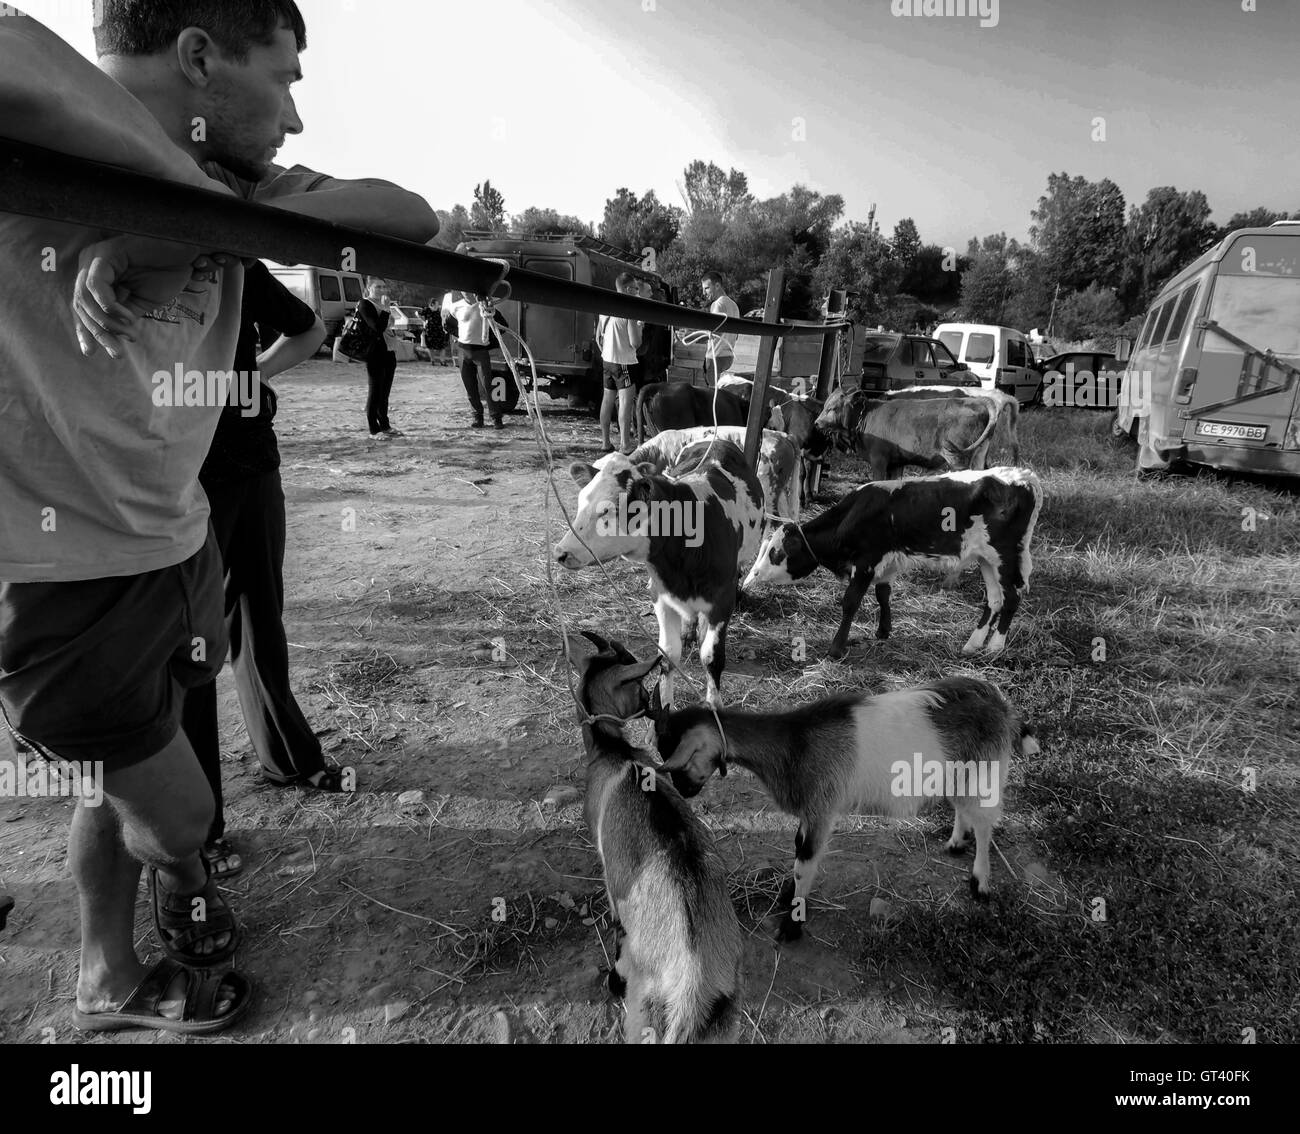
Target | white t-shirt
(619,339)
(722,344)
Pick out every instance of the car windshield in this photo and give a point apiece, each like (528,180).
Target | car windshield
(952,340)
(980,349)
(878,348)
(943,355)
(1262,310)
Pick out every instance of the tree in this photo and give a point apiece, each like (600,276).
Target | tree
(639,223)
(452,226)
(985,289)
(548,222)
(1078,229)
(935,276)
(906,244)
(860,260)
(1256,218)
(489,211)
(710,190)
(1094,313)
(1164,234)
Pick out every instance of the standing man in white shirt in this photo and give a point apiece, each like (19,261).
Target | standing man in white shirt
(474,341)
(720,303)
(619,340)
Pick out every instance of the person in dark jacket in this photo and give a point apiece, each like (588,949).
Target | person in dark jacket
(241,478)
(381,363)
(655,351)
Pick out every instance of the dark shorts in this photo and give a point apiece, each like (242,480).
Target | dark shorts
(617,377)
(95,670)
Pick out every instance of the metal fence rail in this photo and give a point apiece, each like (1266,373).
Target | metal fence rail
(38,182)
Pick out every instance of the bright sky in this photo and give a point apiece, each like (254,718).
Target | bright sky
(560,102)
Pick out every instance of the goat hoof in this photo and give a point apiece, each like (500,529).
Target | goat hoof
(976,892)
(617,985)
(789,930)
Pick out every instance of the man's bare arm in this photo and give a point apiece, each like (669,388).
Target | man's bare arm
(53,97)
(372,206)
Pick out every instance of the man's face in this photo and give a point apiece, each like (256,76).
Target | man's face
(711,289)
(249,107)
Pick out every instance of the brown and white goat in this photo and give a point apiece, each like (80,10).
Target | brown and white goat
(678,943)
(883,755)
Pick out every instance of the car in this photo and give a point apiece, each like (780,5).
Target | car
(893,361)
(406,322)
(1085,379)
(1001,356)
(332,295)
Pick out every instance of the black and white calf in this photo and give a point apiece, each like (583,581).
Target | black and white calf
(677,940)
(696,528)
(950,522)
(888,754)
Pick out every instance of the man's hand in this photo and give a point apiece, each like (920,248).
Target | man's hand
(125,277)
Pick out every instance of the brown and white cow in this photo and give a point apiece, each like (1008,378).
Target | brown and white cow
(947,522)
(1005,405)
(695,528)
(780,468)
(951,433)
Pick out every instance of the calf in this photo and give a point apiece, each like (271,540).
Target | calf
(677,942)
(887,433)
(780,469)
(1002,403)
(695,533)
(949,521)
(679,405)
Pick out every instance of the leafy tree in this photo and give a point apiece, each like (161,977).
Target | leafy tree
(1164,234)
(1094,313)
(710,190)
(548,221)
(935,276)
(1255,218)
(860,260)
(638,223)
(1078,228)
(452,226)
(489,211)
(906,244)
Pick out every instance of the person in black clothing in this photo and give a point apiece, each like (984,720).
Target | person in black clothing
(655,351)
(436,339)
(381,363)
(241,477)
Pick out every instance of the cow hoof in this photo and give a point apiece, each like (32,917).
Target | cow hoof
(881,635)
(786,898)
(955,847)
(617,985)
(976,892)
(970,648)
(837,653)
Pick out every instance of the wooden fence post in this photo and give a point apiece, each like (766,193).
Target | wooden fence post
(825,372)
(763,371)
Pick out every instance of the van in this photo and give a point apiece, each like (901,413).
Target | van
(1214,376)
(1001,357)
(332,295)
(563,342)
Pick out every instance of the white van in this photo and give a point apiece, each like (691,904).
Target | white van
(1000,356)
(332,295)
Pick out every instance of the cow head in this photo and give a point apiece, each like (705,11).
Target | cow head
(784,557)
(605,526)
(842,415)
(797,419)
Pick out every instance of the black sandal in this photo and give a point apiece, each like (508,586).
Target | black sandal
(198,1011)
(177,929)
(220,850)
(331,780)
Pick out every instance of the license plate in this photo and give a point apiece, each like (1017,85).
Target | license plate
(1231,429)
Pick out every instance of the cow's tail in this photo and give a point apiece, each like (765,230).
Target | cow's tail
(995,415)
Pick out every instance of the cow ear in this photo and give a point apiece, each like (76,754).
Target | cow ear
(584,474)
(777,420)
(647,468)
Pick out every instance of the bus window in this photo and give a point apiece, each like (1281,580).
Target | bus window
(1160,321)
(351,289)
(329,288)
(1174,333)
(1144,335)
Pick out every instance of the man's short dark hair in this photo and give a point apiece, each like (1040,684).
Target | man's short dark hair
(146,27)
(716,276)
(625,280)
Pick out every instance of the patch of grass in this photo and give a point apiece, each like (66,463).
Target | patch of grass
(1199,938)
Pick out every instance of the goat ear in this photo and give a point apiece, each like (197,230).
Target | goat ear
(658,713)
(584,474)
(638,670)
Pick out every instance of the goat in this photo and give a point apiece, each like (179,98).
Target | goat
(677,940)
(881,754)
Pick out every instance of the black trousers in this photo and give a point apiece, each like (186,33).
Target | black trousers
(380,369)
(248,519)
(476,377)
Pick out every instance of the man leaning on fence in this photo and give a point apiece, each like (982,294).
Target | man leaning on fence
(110,579)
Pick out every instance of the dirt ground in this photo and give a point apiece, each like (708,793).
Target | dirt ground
(424,650)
